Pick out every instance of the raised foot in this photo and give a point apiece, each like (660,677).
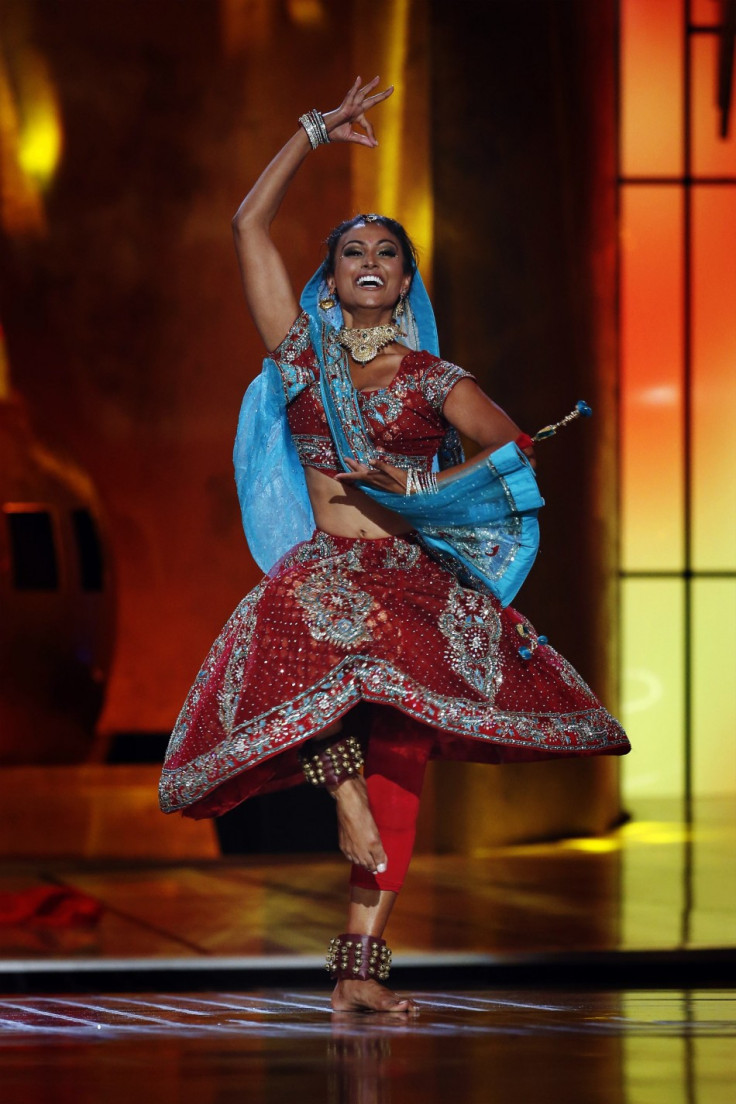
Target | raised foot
(358,835)
(369,996)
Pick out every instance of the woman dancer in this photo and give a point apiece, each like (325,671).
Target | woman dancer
(387,581)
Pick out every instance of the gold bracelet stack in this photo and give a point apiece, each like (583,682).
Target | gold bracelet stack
(333,762)
(359,958)
(316,128)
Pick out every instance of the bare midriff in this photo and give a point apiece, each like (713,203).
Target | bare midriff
(344,511)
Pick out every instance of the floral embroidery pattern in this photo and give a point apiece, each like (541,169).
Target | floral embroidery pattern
(401,555)
(335,609)
(472,628)
(355,679)
(235,670)
(316,451)
(384,405)
(294,377)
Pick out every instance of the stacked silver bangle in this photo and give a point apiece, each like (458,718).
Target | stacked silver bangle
(421,482)
(314,124)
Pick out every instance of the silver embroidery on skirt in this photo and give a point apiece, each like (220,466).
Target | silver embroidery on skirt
(334,608)
(472,628)
(232,684)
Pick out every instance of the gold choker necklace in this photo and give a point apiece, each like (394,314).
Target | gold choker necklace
(364,345)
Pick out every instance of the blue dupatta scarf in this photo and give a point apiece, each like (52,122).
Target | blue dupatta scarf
(481,523)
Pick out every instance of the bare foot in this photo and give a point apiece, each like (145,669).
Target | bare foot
(369,996)
(359,839)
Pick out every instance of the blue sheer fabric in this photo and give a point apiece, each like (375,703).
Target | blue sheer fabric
(481,523)
(271,486)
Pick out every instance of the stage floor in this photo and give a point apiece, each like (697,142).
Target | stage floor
(591,970)
(478,1047)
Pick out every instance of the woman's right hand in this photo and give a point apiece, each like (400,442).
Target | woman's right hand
(341,122)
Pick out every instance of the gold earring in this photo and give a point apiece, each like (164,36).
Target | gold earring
(399,308)
(328,302)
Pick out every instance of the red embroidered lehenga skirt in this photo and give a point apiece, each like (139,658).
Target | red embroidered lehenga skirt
(341,621)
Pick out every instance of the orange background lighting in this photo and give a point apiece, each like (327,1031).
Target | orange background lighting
(714,379)
(651,87)
(678,458)
(651,379)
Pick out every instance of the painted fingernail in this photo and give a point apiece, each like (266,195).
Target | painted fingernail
(381,868)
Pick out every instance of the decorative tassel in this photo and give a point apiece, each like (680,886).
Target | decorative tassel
(527,650)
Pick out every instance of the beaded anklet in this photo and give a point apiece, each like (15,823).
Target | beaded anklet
(333,762)
(358,958)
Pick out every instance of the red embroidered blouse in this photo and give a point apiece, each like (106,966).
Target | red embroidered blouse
(404,420)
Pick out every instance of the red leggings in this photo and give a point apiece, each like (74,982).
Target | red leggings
(395,761)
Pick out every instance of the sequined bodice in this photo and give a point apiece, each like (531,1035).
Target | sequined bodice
(404,420)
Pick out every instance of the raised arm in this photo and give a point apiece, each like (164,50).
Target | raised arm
(266,283)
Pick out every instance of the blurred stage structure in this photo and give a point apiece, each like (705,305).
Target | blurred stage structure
(56,598)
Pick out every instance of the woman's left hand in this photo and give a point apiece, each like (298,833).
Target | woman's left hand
(358,99)
(378,474)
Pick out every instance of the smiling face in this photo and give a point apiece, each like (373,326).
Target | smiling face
(369,274)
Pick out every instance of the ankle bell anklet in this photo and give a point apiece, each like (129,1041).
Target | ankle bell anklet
(333,763)
(358,958)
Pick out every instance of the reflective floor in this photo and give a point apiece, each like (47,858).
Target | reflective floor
(660,1047)
(129,982)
